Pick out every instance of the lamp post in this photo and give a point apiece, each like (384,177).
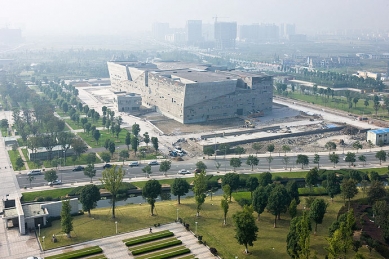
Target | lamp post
(196,228)
(177,214)
(116,224)
(43,242)
(39,230)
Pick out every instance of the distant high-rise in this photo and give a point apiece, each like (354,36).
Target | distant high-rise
(194,31)
(258,32)
(160,30)
(225,35)
(286,30)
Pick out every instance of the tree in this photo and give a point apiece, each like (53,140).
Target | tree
(316,160)
(128,140)
(225,148)
(123,154)
(179,187)
(146,138)
(66,218)
(362,158)
(269,160)
(154,141)
(332,184)
(245,228)
(381,155)
(199,189)
(201,166)
(252,161)
(256,147)
(293,191)
(252,184)
(90,171)
(89,196)
(235,162)
(334,158)
(79,146)
(112,179)
(150,192)
(147,170)
(225,207)
(303,160)
(330,145)
(317,210)
(51,175)
(292,209)
(91,158)
(134,143)
(278,202)
(30,179)
(270,148)
(265,179)
(105,156)
(376,192)
(259,200)
(357,145)
(135,129)
(232,179)
(298,238)
(239,150)
(286,148)
(96,136)
(19,163)
(209,151)
(165,166)
(312,178)
(349,190)
(112,147)
(350,158)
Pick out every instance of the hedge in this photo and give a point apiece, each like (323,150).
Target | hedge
(78,253)
(176,251)
(98,257)
(151,243)
(148,237)
(151,247)
(316,191)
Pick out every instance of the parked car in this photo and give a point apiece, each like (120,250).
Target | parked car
(34,257)
(107,166)
(35,172)
(55,182)
(183,171)
(78,168)
(153,163)
(134,163)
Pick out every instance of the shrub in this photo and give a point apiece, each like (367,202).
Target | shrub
(213,250)
(187,226)
(40,199)
(48,198)
(243,201)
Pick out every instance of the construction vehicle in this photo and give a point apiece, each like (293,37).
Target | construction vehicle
(248,124)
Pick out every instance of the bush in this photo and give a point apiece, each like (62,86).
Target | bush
(40,199)
(48,198)
(187,226)
(213,250)
(147,238)
(243,201)
(78,253)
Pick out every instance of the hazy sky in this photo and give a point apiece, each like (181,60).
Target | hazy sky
(108,17)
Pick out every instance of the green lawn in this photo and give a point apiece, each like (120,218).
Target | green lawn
(31,164)
(73,124)
(13,155)
(270,243)
(54,193)
(339,103)
(104,135)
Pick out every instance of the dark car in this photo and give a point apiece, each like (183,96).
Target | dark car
(107,166)
(78,168)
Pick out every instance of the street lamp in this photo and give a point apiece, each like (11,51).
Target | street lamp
(39,230)
(43,243)
(116,223)
(196,228)
(177,214)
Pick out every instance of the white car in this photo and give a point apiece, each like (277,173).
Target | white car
(35,172)
(183,171)
(134,163)
(34,257)
(55,182)
(153,163)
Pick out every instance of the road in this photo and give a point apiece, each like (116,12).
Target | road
(277,165)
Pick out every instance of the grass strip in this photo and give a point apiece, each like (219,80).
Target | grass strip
(102,256)
(168,253)
(13,155)
(78,253)
(151,248)
(187,257)
(151,243)
(148,237)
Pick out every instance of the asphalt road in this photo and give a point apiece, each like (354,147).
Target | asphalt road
(278,164)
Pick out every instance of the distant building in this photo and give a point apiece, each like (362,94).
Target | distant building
(159,30)
(193,95)
(10,36)
(378,136)
(366,74)
(225,35)
(194,32)
(258,32)
(42,153)
(128,102)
